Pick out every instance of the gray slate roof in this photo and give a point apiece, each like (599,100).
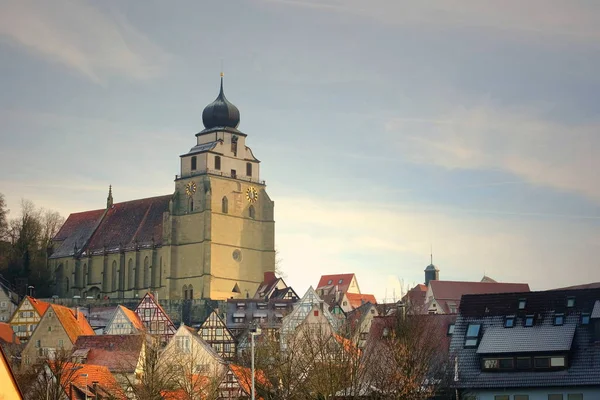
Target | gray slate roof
(520,339)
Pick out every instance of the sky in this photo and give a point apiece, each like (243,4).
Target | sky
(386,129)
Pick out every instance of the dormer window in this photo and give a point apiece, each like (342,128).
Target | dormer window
(522,304)
(329,282)
(528,321)
(585,319)
(509,322)
(559,319)
(472,337)
(340,281)
(570,302)
(450,330)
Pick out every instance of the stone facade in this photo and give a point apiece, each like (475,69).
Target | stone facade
(213,238)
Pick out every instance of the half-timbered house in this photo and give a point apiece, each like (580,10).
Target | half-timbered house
(124,322)
(27,317)
(237,383)
(155,319)
(214,332)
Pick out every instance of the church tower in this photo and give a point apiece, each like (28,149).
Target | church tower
(220,227)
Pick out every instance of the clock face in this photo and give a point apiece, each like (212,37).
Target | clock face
(252,194)
(190,188)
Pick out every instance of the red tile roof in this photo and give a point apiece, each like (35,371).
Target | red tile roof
(134,318)
(95,373)
(126,224)
(7,334)
(73,325)
(197,382)
(39,306)
(335,280)
(76,231)
(244,377)
(131,222)
(119,353)
(356,300)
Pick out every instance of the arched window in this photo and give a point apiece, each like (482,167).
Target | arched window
(191,292)
(160,273)
(85,275)
(251,212)
(224,205)
(115,277)
(248,169)
(77,280)
(194,163)
(146,272)
(184,290)
(191,205)
(67,284)
(130,275)
(218,163)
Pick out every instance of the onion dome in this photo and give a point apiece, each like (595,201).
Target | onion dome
(221,113)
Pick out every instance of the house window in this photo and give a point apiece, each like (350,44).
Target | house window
(218,163)
(450,330)
(233,173)
(528,320)
(585,319)
(523,363)
(345,303)
(251,212)
(219,331)
(559,319)
(570,302)
(238,320)
(340,281)
(501,397)
(541,362)
(147,312)
(193,163)
(509,322)
(224,205)
(316,313)
(498,364)
(575,396)
(60,343)
(555,396)
(472,337)
(234,141)
(3,304)
(49,329)
(521,397)
(248,169)
(38,344)
(522,304)
(329,282)
(557,362)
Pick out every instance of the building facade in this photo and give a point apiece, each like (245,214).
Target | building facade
(214,237)
(27,316)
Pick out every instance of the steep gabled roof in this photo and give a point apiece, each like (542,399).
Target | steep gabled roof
(133,317)
(356,300)
(39,306)
(76,232)
(74,325)
(342,281)
(7,335)
(244,377)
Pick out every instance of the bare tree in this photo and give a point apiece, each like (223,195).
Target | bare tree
(3,218)
(406,357)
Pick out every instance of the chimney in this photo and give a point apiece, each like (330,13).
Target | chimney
(269,277)
(77,313)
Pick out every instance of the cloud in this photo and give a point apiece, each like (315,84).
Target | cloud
(577,19)
(522,142)
(76,34)
(388,246)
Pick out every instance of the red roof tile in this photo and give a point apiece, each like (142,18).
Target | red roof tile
(95,373)
(131,222)
(119,353)
(134,318)
(7,334)
(244,377)
(356,300)
(341,280)
(39,306)
(76,232)
(74,326)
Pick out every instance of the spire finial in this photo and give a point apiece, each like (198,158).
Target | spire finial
(109,199)
(431,253)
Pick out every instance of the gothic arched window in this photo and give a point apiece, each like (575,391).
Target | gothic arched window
(85,275)
(184,291)
(146,272)
(130,275)
(191,292)
(251,212)
(224,205)
(115,277)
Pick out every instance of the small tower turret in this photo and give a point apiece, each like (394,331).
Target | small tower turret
(109,199)
(432,273)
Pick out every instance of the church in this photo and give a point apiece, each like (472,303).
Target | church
(214,237)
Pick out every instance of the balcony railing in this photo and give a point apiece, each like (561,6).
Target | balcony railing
(219,173)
